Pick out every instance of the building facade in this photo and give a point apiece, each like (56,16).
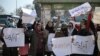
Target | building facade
(51,8)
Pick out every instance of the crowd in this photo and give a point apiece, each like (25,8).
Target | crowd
(36,38)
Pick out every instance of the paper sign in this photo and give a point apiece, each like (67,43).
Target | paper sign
(29,12)
(82,9)
(96,16)
(98,40)
(28,19)
(61,46)
(14,37)
(83,45)
(28,16)
(49,43)
(80,45)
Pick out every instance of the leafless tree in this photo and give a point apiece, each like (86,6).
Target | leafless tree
(26,6)
(2,10)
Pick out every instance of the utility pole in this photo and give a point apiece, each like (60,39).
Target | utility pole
(16,7)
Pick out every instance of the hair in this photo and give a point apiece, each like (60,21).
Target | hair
(64,29)
(34,24)
(50,29)
(71,24)
(37,24)
(48,23)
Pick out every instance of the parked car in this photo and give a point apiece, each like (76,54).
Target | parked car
(4,20)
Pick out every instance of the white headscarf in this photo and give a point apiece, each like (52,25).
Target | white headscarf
(70,30)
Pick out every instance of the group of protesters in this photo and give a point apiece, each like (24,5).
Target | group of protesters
(36,37)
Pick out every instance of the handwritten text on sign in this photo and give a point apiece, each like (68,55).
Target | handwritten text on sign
(82,9)
(83,45)
(80,45)
(13,37)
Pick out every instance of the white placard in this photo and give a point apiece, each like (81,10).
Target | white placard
(28,16)
(62,46)
(96,16)
(98,40)
(28,19)
(29,12)
(14,37)
(83,45)
(80,45)
(49,43)
(82,9)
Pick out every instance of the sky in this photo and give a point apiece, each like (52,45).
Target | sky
(10,5)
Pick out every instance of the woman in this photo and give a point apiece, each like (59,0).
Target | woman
(71,29)
(38,41)
(83,32)
(63,32)
(51,29)
(23,51)
(7,51)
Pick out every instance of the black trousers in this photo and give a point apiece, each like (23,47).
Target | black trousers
(49,53)
(12,51)
(40,53)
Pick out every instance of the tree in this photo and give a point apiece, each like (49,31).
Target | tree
(2,10)
(29,6)
(18,11)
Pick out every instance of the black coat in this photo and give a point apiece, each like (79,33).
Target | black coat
(84,32)
(75,32)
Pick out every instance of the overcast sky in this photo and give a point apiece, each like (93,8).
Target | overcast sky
(10,5)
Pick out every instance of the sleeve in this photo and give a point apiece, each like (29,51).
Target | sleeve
(45,34)
(1,35)
(57,24)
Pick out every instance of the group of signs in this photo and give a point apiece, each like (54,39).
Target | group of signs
(29,16)
(14,37)
(71,45)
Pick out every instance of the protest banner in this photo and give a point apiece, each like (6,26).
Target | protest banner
(28,16)
(98,41)
(96,15)
(61,46)
(14,37)
(83,45)
(82,9)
